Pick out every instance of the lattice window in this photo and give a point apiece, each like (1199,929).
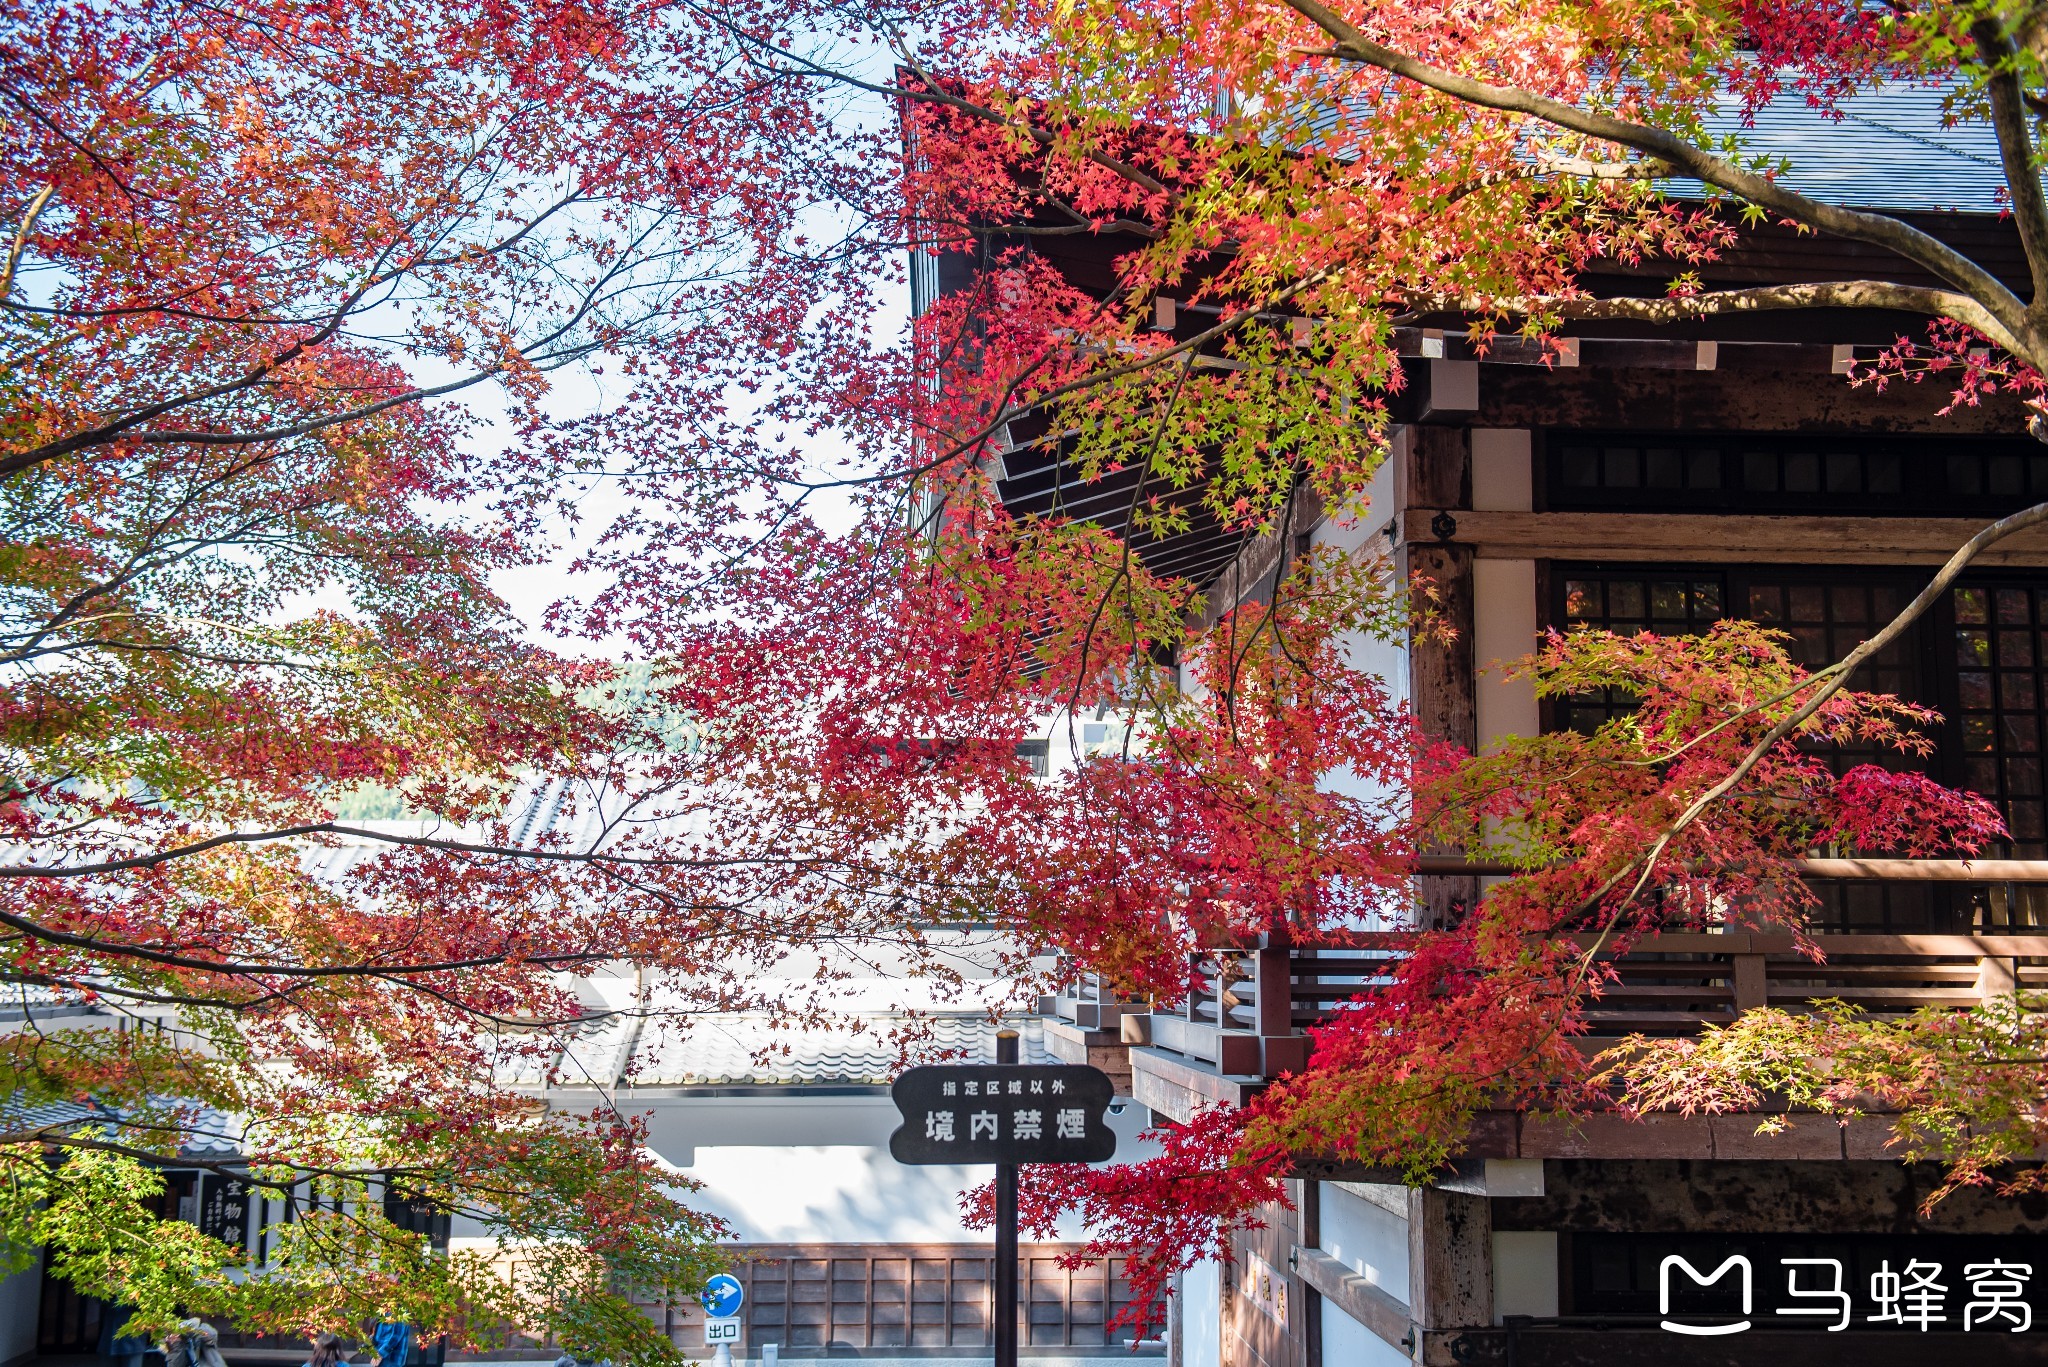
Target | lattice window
(1828,620)
(2001,652)
(1776,472)
(1625,602)
(1825,617)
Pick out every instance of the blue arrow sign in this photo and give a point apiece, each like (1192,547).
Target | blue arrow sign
(723,1296)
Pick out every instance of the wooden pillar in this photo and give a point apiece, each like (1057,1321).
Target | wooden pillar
(1176,1322)
(1440,671)
(1437,471)
(1450,1272)
(1437,479)
(1309,1201)
(1751,982)
(1282,1048)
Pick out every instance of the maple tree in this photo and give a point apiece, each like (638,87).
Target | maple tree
(313,320)
(1313,176)
(289,308)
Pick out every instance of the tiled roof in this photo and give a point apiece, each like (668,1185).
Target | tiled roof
(1890,149)
(868,1050)
(872,1027)
(34,1001)
(211,1130)
(569,817)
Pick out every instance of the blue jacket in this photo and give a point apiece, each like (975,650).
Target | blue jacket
(393,1343)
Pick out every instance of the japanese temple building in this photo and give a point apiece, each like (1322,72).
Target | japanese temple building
(1662,478)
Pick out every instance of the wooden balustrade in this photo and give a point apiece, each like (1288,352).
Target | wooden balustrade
(1091,1003)
(1986,924)
(1249,1007)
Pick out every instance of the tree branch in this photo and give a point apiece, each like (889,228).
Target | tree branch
(1759,299)
(1837,676)
(2016,151)
(430,842)
(2019,334)
(28,225)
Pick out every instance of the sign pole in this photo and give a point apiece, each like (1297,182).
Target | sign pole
(1006,1235)
(1009,1114)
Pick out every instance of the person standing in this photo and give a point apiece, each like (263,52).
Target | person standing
(122,1349)
(392,1341)
(195,1344)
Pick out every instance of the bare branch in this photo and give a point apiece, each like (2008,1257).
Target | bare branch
(28,225)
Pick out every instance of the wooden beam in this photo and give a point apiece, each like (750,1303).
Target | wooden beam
(1697,538)
(1930,870)
(1450,1268)
(1848,870)
(1728,399)
(1260,562)
(1625,353)
(1619,1345)
(1904,946)
(1178,1088)
(1354,1295)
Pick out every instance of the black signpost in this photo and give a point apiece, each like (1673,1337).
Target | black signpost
(1006,1113)
(224,1209)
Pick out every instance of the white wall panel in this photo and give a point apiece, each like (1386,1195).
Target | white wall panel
(1347,1343)
(1524,1273)
(1503,628)
(1503,474)
(1201,1316)
(1366,1237)
(817,1169)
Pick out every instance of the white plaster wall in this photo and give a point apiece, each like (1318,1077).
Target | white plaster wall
(1347,1343)
(1359,529)
(1504,617)
(1366,1237)
(1201,1317)
(20,1297)
(1503,628)
(817,1169)
(1503,472)
(1453,386)
(1524,1273)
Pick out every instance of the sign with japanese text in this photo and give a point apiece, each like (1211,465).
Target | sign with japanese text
(418,1214)
(1003,1113)
(1715,1288)
(224,1209)
(1264,1288)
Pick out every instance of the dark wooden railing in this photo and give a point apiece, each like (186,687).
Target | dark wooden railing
(1092,1004)
(1252,1004)
(1987,935)
(1895,937)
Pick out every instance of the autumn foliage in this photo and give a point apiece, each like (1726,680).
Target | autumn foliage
(1305,180)
(288,298)
(317,321)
